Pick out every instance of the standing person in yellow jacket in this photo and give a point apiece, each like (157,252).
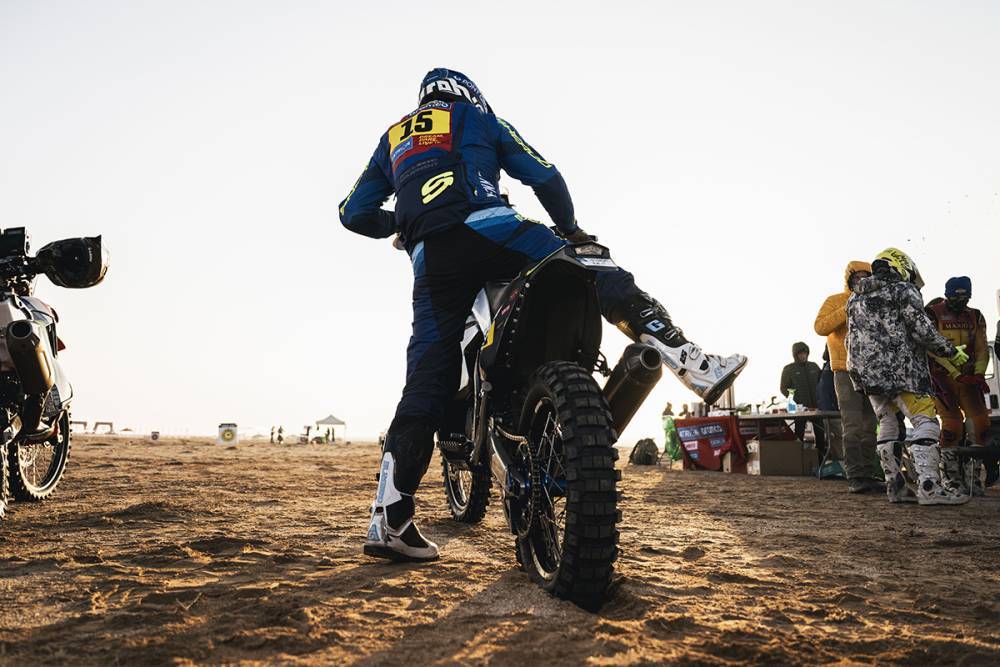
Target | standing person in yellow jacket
(856,413)
(959,390)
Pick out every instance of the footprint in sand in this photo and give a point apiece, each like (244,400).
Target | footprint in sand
(223,545)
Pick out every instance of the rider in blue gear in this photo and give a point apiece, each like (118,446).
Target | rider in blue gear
(442,161)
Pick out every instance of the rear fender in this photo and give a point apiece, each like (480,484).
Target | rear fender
(551,312)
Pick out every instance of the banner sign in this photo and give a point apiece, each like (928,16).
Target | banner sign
(706,440)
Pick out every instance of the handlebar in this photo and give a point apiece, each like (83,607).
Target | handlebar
(18,266)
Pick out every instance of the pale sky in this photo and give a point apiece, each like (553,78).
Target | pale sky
(734,156)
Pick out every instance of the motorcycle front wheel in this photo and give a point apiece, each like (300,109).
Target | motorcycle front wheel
(467,491)
(571,541)
(37,468)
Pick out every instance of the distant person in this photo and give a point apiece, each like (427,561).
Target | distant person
(802,377)
(272,435)
(442,163)
(856,414)
(281,434)
(826,401)
(960,389)
(671,442)
(889,336)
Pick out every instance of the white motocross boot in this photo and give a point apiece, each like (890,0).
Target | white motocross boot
(707,375)
(926,461)
(391,531)
(895,484)
(952,477)
(972,472)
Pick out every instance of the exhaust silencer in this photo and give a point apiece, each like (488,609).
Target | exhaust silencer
(635,375)
(27,345)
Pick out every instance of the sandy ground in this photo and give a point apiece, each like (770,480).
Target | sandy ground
(181,552)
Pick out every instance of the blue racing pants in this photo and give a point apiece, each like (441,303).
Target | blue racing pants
(449,269)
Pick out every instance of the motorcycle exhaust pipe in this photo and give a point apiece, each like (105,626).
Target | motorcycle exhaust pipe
(26,345)
(635,375)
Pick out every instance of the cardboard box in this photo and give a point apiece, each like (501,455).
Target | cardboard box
(774,457)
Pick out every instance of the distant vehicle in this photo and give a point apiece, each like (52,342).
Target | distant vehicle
(35,394)
(530,417)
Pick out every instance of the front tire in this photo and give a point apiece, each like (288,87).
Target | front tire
(571,543)
(37,469)
(467,491)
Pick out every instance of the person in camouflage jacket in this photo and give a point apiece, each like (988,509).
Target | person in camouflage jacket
(888,338)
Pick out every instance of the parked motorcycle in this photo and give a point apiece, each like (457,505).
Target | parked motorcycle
(531,417)
(35,394)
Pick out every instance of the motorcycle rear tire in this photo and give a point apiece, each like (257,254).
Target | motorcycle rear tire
(23,488)
(471,508)
(4,484)
(582,568)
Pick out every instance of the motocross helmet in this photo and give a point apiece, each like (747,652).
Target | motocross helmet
(449,85)
(899,263)
(74,263)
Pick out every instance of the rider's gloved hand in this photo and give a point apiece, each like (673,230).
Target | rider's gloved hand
(579,236)
(960,356)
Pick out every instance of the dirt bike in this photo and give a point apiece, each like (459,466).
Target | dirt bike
(35,394)
(531,417)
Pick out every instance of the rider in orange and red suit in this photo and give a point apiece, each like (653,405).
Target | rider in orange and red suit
(959,391)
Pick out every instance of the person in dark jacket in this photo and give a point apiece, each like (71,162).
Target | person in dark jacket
(826,397)
(442,162)
(802,377)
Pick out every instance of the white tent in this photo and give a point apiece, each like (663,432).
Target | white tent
(332,423)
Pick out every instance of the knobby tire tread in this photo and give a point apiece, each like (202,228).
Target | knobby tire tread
(590,545)
(479,496)
(18,489)
(4,477)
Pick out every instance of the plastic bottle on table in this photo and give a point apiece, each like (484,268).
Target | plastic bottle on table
(792,406)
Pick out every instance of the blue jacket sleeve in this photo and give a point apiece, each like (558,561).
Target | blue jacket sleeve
(361,210)
(525,164)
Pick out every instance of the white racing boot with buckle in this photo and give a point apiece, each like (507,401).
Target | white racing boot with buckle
(952,477)
(926,461)
(391,531)
(972,473)
(895,484)
(707,375)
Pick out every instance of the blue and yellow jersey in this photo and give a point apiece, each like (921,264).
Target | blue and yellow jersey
(442,161)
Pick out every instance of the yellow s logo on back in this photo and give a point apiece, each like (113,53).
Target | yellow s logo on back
(435,185)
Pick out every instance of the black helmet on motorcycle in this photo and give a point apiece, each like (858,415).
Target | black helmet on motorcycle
(449,85)
(75,263)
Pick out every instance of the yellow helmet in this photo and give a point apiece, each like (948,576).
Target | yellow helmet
(900,262)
